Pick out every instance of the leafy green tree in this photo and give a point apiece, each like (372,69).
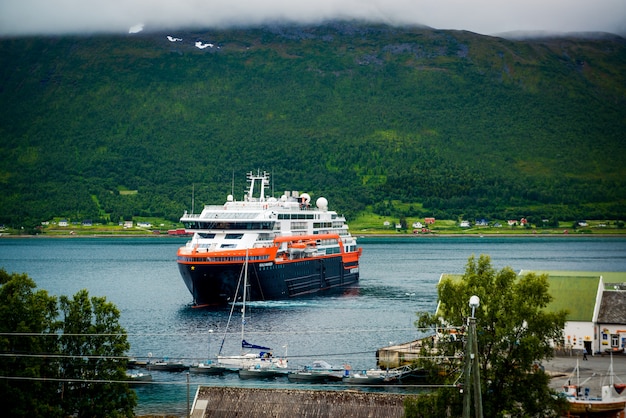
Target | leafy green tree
(52,367)
(24,312)
(515,333)
(95,345)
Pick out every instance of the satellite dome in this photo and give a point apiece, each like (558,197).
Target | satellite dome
(305,197)
(322,203)
(229,198)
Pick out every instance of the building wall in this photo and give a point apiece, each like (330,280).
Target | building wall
(611,337)
(576,333)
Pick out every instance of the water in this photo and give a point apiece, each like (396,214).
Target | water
(398,279)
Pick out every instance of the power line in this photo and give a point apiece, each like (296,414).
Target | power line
(203,333)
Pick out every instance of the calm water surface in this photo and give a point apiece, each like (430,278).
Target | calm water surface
(398,279)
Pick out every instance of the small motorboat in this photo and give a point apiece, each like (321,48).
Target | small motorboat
(260,373)
(167,366)
(138,378)
(318,372)
(207,368)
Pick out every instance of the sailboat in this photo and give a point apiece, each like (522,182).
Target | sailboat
(612,399)
(262,357)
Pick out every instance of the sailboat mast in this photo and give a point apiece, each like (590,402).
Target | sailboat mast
(243,307)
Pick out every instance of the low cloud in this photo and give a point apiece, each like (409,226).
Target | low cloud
(27,17)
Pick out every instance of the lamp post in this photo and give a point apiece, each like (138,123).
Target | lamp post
(472,371)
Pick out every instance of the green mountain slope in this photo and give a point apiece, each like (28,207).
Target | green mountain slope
(463,123)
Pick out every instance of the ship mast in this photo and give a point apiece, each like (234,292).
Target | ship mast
(264,182)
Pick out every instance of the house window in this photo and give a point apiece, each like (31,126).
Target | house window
(614,340)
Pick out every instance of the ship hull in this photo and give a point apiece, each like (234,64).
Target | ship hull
(216,284)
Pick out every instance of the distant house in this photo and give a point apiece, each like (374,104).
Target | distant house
(417,225)
(87,222)
(464,224)
(429,221)
(128,224)
(512,222)
(144,224)
(63,222)
(481,222)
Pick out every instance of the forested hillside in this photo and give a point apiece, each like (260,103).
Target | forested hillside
(462,123)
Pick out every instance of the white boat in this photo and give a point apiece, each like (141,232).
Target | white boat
(294,247)
(371,377)
(317,372)
(252,355)
(257,372)
(612,398)
(138,378)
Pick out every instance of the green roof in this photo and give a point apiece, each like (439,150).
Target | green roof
(575,294)
(608,277)
(574,291)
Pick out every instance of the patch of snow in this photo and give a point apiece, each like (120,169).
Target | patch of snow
(136,29)
(201,45)
(172,39)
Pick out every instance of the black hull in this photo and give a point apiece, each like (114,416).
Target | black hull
(212,284)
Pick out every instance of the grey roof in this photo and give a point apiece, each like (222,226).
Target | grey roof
(258,402)
(612,307)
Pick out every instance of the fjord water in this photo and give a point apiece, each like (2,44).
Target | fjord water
(398,279)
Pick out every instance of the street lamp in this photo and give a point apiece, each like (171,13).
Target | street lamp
(474,303)
(472,372)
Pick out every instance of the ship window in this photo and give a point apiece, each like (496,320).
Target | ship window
(206,236)
(228,246)
(298,225)
(233,236)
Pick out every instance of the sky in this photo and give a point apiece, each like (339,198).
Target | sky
(488,17)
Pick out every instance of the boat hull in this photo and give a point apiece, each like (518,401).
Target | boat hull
(314,377)
(215,284)
(581,406)
(259,373)
(209,369)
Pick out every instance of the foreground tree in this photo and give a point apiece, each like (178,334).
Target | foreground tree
(51,367)
(95,345)
(515,333)
(28,326)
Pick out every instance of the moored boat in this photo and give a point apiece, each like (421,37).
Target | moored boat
(612,399)
(138,378)
(318,372)
(257,372)
(404,374)
(294,248)
(207,368)
(370,377)
(255,356)
(168,366)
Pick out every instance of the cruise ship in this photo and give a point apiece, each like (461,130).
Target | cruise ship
(289,247)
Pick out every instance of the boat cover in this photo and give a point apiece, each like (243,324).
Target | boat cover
(245,344)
